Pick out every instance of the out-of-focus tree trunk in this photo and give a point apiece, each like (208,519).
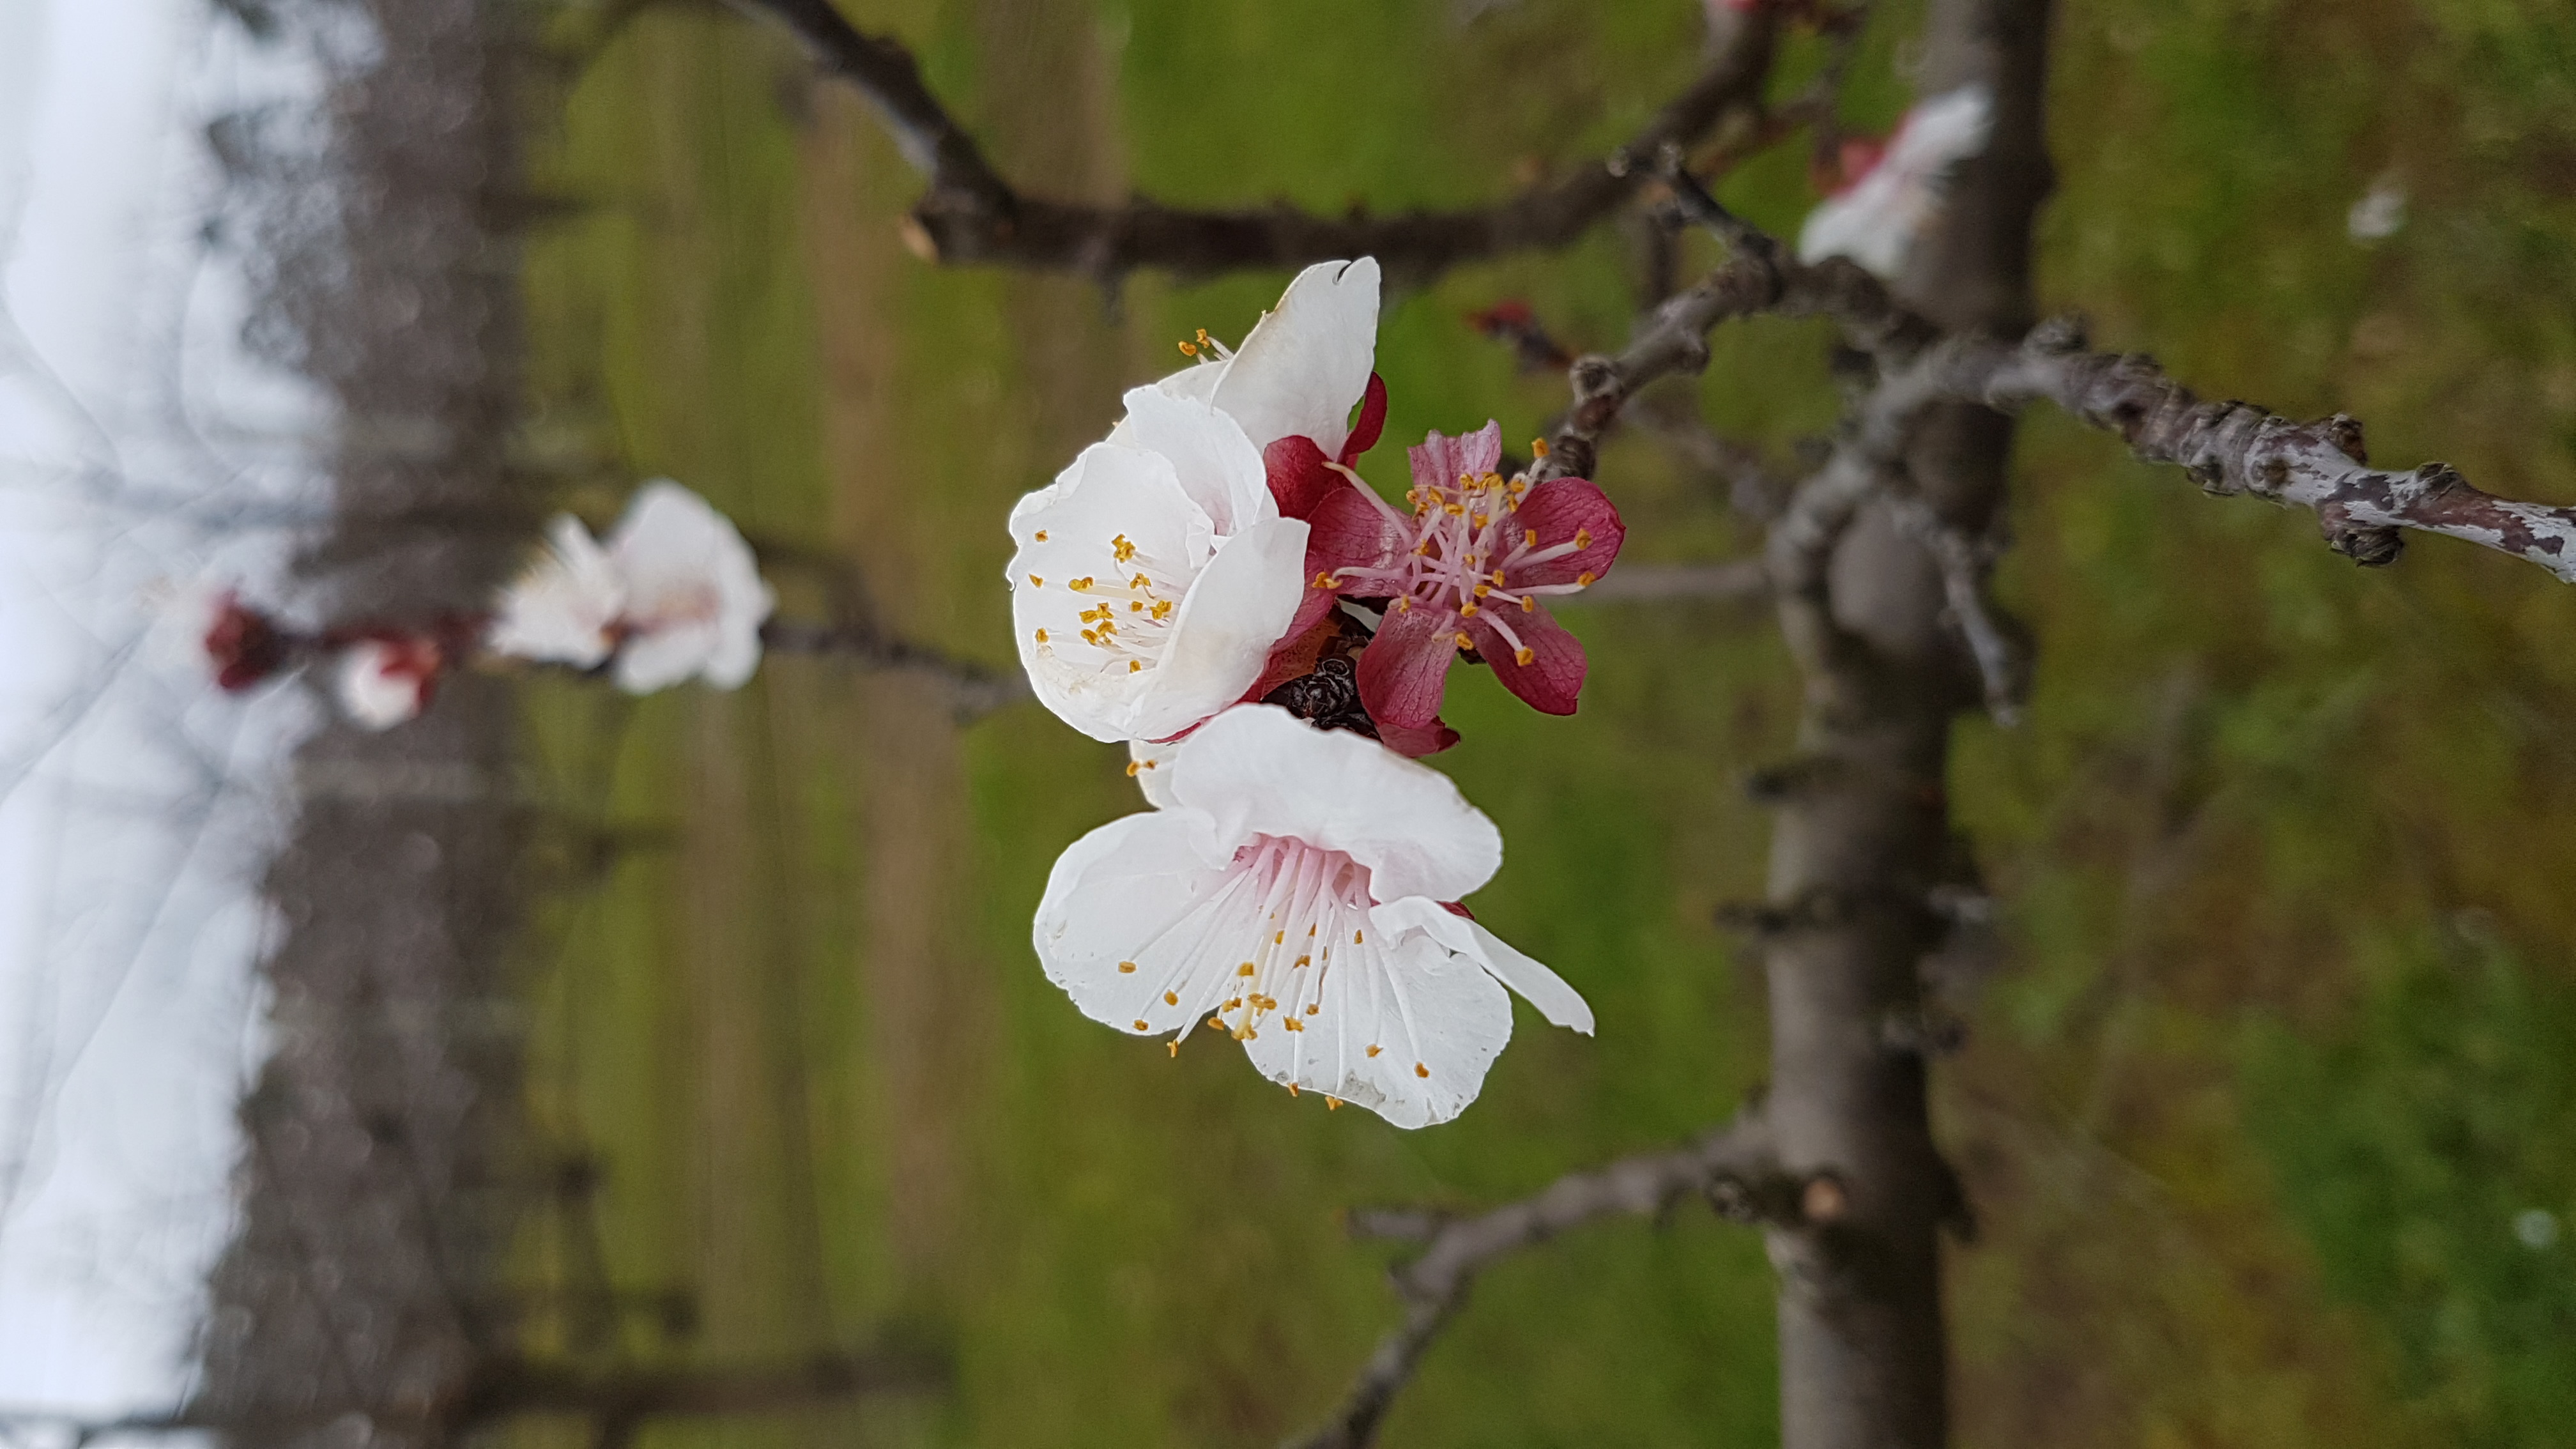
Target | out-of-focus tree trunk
(1862,1352)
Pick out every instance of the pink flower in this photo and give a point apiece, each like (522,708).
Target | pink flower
(1466,570)
(387,678)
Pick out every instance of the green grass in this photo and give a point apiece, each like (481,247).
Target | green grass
(798,1023)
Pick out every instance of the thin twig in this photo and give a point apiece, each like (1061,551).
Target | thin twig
(1732,1165)
(1734,580)
(970,214)
(978,691)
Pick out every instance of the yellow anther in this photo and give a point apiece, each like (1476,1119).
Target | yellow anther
(1538,447)
(1422,549)
(1041,535)
(1404,606)
(1420,1070)
(1140,1024)
(1189,349)
(1080,584)
(1278,937)
(1042,636)
(1497,577)
(1454,510)
(1483,589)
(1203,338)
(1135,606)
(1313,1006)
(1090,638)
(1332,1104)
(1035,582)
(1304,961)
(1463,641)
(1293,1024)
(1357,938)
(1171,998)
(1522,656)
(1161,607)
(1126,968)
(1292,1089)
(1243,970)
(1476,521)
(1175,1047)
(1467,610)
(1135,666)
(1231,1005)
(1322,581)
(1373,1051)
(1584,579)
(1583,538)
(1529,603)
(1122,548)
(1216,1023)
(1149,764)
(1140,582)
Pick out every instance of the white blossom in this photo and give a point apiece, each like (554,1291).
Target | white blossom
(1155,573)
(1877,215)
(674,594)
(1293,897)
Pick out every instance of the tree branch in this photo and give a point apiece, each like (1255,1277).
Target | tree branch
(1733,1166)
(971,215)
(978,691)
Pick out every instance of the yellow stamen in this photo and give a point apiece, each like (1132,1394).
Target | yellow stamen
(1582,538)
(1313,1006)
(1171,998)
(1483,589)
(1373,1051)
(1080,584)
(1042,636)
(1293,1024)
(1278,937)
(1538,447)
(1529,603)
(1464,642)
(1420,1070)
(1498,580)
(1404,606)
(1140,1023)
(1332,1104)
(1529,538)
(1244,970)
(1189,349)
(1467,610)
(1121,548)
(1035,582)
(1041,535)
(1135,666)
(1584,579)
(1216,1023)
(1304,961)
(1292,1089)
(1175,1046)
(1523,656)
(1454,510)
(1356,938)
(1126,968)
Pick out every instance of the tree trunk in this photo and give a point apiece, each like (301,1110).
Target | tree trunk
(1860,848)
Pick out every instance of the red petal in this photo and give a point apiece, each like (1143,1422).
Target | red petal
(1554,675)
(1559,510)
(1298,478)
(1372,421)
(1406,667)
(1352,530)
(1413,742)
(1442,460)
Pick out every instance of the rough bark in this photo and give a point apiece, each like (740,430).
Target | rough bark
(1863,1361)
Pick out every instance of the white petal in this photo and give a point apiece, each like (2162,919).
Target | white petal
(1437,1020)
(1304,366)
(694,594)
(1544,989)
(561,608)
(1256,769)
(1222,636)
(1216,465)
(1154,771)
(368,694)
(1116,897)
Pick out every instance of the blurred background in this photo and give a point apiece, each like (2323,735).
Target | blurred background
(562,1046)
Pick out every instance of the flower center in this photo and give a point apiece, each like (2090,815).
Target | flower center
(1466,556)
(1118,621)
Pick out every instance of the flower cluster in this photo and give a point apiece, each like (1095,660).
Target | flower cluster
(1215,587)
(673,595)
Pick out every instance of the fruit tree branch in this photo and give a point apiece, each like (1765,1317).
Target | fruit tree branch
(971,214)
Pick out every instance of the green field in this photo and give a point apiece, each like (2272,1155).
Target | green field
(2280,1042)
